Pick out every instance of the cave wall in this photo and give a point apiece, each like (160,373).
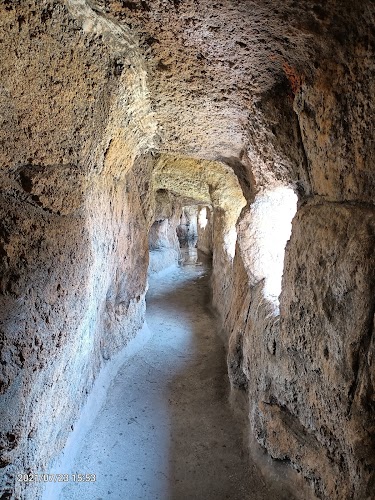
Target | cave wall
(205,222)
(333,349)
(327,302)
(73,229)
(187,230)
(309,369)
(163,241)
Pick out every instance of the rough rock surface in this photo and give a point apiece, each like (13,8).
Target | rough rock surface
(205,220)
(331,256)
(310,379)
(187,230)
(164,246)
(70,218)
(236,99)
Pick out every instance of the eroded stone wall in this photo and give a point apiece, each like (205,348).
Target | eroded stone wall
(163,242)
(73,228)
(187,230)
(309,369)
(205,220)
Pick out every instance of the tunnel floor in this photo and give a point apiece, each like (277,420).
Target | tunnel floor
(167,430)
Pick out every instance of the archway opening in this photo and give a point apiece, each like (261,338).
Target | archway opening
(265,231)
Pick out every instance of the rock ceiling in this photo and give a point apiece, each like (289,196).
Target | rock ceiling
(211,63)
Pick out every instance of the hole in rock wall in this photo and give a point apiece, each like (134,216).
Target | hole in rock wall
(202,218)
(205,230)
(269,230)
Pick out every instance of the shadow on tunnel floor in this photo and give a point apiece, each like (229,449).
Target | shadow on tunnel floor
(208,447)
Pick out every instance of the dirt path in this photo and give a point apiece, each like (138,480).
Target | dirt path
(167,430)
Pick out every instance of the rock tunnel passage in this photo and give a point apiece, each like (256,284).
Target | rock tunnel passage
(166,430)
(115,115)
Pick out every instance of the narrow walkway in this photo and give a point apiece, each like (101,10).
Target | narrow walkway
(167,430)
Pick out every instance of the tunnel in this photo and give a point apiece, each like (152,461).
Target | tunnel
(187,178)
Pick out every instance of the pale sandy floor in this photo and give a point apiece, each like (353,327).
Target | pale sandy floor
(167,430)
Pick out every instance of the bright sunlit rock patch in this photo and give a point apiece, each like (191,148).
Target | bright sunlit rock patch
(270,229)
(202,218)
(230,239)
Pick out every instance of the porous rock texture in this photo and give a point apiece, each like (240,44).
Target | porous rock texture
(114,115)
(74,114)
(164,246)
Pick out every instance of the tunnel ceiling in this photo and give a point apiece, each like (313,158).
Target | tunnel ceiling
(207,182)
(210,62)
(223,75)
(281,91)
